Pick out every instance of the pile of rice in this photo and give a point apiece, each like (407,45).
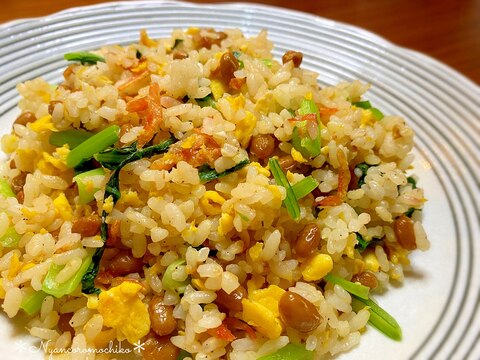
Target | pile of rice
(233,231)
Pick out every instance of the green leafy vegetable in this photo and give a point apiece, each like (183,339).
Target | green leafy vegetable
(304,187)
(84,57)
(111,158)
(306,135)
(206,173)
(412,181)
(358,290)
(290,352)
(52,287)
(98,142)
(379,318)
(290,201)
(138,54)
(362,244)
(85,182)
(207,101)
(169,283)
(32,303)
(409,212)
(127,155)
(72,137)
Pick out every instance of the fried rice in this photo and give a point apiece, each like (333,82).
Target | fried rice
(232,209)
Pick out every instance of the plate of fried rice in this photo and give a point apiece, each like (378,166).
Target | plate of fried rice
(233,181)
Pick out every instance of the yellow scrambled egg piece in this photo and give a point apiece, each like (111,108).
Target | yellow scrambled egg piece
(42,124)
(63,208)
(130,198)
(108,205)
(244,129)
(225,224)
(218,89)
(212,202)
(15,266)
(267,104)
(261,311)
(317,267)
(255,251)
(123,310)
(236,102)
(297,156)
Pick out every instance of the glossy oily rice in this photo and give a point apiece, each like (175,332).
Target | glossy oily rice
(199,197)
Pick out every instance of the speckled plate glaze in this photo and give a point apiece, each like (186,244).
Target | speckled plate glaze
(438,306)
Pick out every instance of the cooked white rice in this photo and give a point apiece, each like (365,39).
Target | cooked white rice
(232,232)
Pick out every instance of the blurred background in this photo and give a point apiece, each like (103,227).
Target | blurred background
(448,30)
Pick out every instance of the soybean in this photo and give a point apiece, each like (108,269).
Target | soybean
(307,240)
(298,313)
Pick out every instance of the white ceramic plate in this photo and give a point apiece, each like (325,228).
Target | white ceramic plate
(438,307)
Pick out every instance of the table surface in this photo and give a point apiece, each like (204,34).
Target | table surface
(448,30)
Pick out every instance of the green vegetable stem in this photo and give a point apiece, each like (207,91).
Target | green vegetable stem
(306,135)
(291,202)
(290,352)
(84,57)
(98,142)
(379,318)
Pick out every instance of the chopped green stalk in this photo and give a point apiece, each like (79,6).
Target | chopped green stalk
(98,142)
(207,101)
(5,189)
(379,318)
(53,287)
(84,57)
(72,138)
(86,184)
(32,303)
(304,187)
(173,285)
(11,238)
(290,202)
(290,352)
(308,106)
(359,290)
(363,104)
(306,137)
(412,181)
(206,173)
(267,62)
(377,114)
